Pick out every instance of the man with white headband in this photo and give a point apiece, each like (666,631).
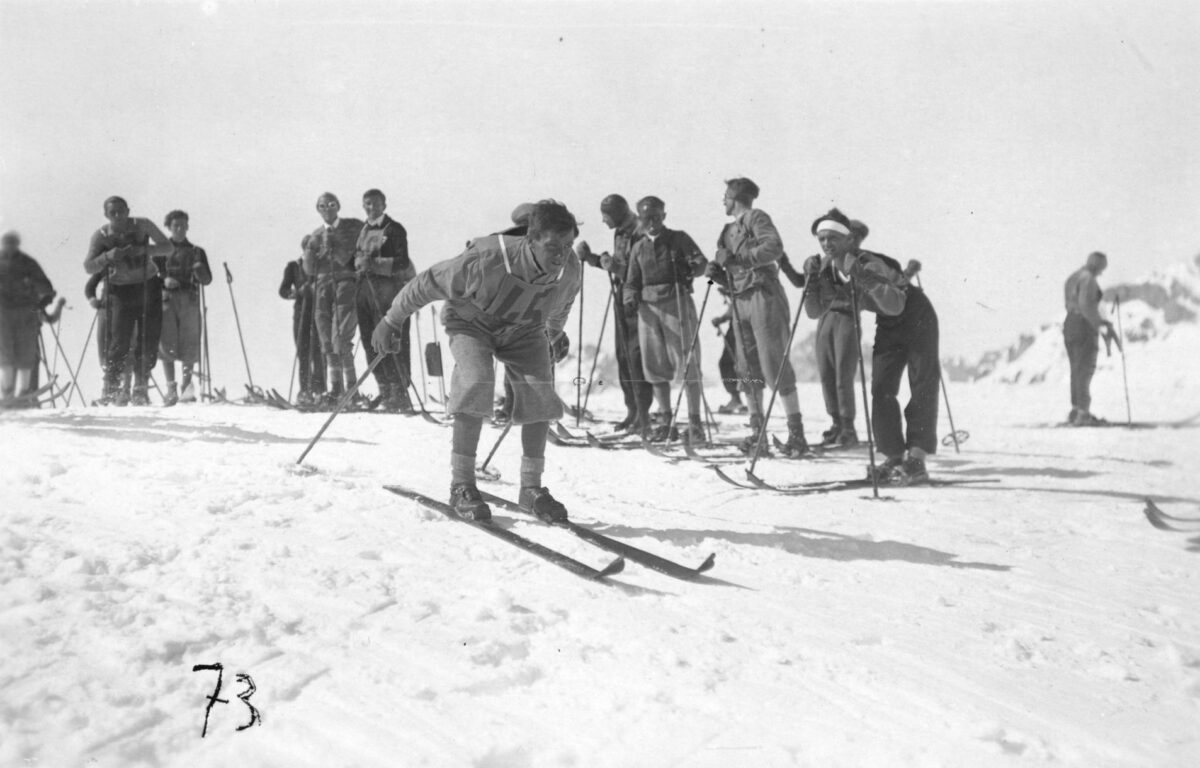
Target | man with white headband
(747,262)
(836,344)
(906,336)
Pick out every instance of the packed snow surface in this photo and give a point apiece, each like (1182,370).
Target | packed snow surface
(1036,620)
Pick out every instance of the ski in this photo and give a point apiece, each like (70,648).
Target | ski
(1158,519)
(755,483)
(34,399)
(549,555)
(554,439)
(612,445)
(626,551)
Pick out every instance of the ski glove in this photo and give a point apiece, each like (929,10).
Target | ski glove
(559,345)
(385,339)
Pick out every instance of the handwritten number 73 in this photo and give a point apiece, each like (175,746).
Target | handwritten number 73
(215,698)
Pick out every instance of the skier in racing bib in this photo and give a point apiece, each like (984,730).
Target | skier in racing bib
(507,299)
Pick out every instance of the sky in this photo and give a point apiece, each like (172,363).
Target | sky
(996,142)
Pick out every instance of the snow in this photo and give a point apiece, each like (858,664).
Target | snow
(1038,620)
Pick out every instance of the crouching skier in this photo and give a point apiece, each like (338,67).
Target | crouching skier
(505,295)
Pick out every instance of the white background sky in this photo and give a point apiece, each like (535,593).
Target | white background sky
(997,142)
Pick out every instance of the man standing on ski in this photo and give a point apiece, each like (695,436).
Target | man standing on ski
(618,217)
(662,265)
(24,292)
(1081,331)
(747,262)
(310,363)
(122,250)
(183,271)
(383,267)
(906,336)
(329,261)
(836,343)
(506,298)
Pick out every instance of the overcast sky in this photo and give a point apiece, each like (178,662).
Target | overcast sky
(997,142)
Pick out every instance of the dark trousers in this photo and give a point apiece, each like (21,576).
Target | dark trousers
(727,365)
(837,362)
(910,341)
(638,392)
(1083,347)
(126,305)
(310,362)
(373,300)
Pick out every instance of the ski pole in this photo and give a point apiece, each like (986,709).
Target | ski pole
(342,403)
(862,374)
(238,320)
(62,352)
(687,359)
(784,361)
(579,360)
(82,354)
(945,394)
(1121,349)
(421,356)
(596,357)
(205,374)
(743,358)
(625,348)
(46,366)
(438,345)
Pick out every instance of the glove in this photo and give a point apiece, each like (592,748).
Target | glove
(723,257)
(385,340)
(95,303)
(912,269)
(585,254)
(606,261)
(170,283)
(559,346)
(361,262)
(812,265)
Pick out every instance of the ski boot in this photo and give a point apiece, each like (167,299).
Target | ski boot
(468,504)
(796,446)
(886,472)
(911,472)
(747,444)
(140,396)
(538,502)
(663,433)
(735,405)
(1086,419)
(693,434)
(846,438)
(626,424)
(830,436)
(172,396)
(400,401)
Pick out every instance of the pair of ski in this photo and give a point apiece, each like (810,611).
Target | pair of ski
(621,549)
(756,483)
(34,398)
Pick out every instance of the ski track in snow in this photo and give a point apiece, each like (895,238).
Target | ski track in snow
(1037,621)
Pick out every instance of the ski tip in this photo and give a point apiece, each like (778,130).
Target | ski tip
(708,563)
(1152,516)
(612,569)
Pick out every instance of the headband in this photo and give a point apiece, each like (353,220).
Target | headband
(833,226)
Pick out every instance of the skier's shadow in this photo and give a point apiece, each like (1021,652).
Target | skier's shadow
(151,429)
(808,542)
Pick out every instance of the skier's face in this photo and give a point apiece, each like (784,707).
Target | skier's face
(609,221)
(652,220)
(374,206)
(117,213)
(835,244)
(729,201)
(552,248)
(179,229)
(328,207)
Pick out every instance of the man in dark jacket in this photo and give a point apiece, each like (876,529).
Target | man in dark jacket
(383,267)
(329,261)
(623,222)
(662,265)
(183,271)
(310,363)
(124,250)
(24,292)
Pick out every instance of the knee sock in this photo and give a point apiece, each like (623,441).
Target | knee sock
(533,452)
(462,452)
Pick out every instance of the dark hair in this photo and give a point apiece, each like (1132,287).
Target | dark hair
(331,196)
(374,193)
(650,201)
(744,190)
(116,199)
(833,215)
(614,205)
(176,214)
(859,230)
(551,216)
